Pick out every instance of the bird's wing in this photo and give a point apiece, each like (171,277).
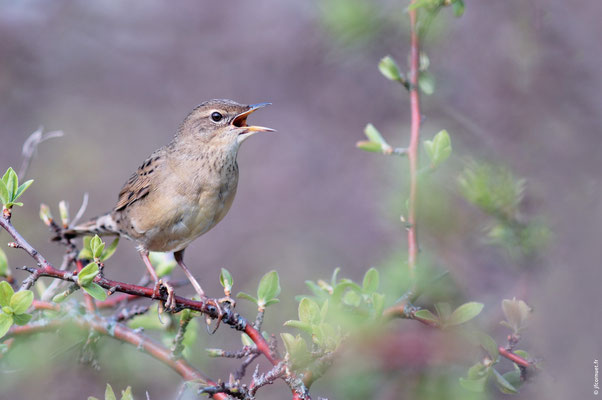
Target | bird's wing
(140,183)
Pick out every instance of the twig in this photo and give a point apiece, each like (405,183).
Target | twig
(514,358)
(259,319)
(268,378)
(128,313)
(82,209)
(31,145)
(227,315)
(120,332)
(242,369)
(178,342)
(413,147)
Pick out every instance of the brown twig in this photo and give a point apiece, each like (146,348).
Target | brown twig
(120,332)
(227,316)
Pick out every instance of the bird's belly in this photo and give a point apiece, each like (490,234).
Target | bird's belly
(190,220)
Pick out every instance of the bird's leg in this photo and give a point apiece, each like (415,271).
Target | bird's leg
(179,256)
(170,303)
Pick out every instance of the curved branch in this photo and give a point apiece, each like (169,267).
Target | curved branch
(122,333)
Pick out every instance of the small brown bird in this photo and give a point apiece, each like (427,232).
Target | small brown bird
(183,189)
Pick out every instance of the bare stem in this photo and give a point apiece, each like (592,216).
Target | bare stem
(413,147)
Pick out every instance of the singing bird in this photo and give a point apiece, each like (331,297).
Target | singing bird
(183,189)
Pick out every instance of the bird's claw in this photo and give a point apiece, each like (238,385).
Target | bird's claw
(170,303)
(221,306)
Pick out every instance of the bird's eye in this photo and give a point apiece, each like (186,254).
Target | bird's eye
(216,117)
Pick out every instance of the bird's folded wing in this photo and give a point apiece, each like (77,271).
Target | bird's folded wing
(140,183)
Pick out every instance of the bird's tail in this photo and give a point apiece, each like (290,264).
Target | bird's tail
(102,225)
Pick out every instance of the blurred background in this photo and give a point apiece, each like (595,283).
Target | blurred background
(517,85)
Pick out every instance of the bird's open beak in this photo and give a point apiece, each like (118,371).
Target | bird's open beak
(241,120)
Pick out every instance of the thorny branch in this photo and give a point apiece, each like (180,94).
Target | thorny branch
(103,326)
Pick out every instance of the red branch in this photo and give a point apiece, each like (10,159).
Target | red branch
(413,147)
(122,333)
(514,358)
(229,317)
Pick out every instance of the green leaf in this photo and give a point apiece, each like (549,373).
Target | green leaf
(109,393)
(109,251)
(438,149)
(388,67)
(95,291)
(60,297)
(269,288)
(352,298)
(87,274)
(4,197)
(420,3)
(324,310)
(426,83)
(12,183)
(6,321)
(378,302)
(443,310)
(21,301)
(246,340)
(477,371)
(503,384)
(366,145)
(22,189)
(513,377)
(426,315)
(465,313)
(127,394)
(523,354)
(304,326)
(371,281)
(309,312)
(458,8)
(6,292)
(315,289)
(85,254)
(225,278)
(489,345)
(6,175)
(246,296)
(517,312)
(21,319)
(374,135)
(45,214)
(270,302)
(4,271)
(164,263)
(474,385)
(333,278)
(97,246)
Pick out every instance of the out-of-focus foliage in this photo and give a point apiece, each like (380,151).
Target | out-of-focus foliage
(498,193)
(110,394)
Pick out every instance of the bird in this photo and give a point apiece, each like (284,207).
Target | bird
(181,190)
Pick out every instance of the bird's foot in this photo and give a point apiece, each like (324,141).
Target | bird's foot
(228,301)
(221,307)
(170,303)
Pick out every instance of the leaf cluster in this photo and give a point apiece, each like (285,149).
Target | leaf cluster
(10,190)
(13,307)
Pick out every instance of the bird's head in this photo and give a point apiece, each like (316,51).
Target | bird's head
(221,123)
